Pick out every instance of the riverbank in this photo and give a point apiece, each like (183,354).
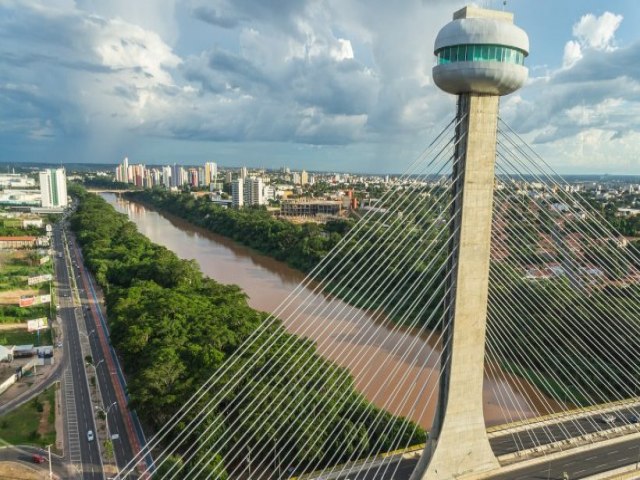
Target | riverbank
(386,348)
(173,327)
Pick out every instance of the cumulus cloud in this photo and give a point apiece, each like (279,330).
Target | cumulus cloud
(318,72)
(572,54)
(597,32)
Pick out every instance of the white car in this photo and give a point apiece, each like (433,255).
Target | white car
(90,435)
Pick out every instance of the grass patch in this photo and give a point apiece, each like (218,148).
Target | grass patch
(22,337)
(15,269)
(15,314)
(23,425)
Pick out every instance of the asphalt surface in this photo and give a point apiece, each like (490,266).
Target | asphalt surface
(91,462)
(544,435)
(578,465)
(23,454)
(111,390)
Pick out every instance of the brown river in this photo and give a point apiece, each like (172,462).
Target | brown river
(384,361)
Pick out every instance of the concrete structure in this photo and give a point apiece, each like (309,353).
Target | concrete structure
(53,188)
(480,57)
(312,208)
(237,193)
(6,353)
(9,243)
(210,173)
(16,180)
(253,191)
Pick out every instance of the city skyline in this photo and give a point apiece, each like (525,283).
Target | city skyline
(315,85)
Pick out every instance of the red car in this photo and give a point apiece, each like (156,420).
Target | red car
(35,458)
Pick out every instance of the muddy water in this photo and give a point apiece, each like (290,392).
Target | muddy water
(396,369)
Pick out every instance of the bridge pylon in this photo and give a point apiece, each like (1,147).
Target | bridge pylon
(480,57)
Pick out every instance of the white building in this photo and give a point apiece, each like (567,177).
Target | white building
(269,193)
(53,188)
(16,180)
(253,191)
(166,176)
(210,173)
(237,193)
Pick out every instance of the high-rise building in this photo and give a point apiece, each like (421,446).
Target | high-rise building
(244,173)
(253,191)
(210,173)
(178,176)
(53,188)
(166,176)
(122,171)
(228,177)
(297,178)
(237,193)
(304,178)
(193,177)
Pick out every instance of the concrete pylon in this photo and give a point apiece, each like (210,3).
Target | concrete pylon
(480,57)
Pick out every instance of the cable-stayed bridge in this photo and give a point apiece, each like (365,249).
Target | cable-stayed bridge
(501,283)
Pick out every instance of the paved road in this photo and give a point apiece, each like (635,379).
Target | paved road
(122,422)
(568,429)
(580,465)
(119,417)
(577,466)
(79,411)
(23,454)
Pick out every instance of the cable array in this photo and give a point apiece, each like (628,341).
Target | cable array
(550,346)
(388,226)
(561,317)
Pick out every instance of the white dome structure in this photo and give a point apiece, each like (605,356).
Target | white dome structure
(480,54)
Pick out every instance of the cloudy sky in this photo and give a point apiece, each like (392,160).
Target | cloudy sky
(316,84)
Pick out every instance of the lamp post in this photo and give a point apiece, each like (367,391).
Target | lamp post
(106,415)
(50,468)
(87,335)
(95,367)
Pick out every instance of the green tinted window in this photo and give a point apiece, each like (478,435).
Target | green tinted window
(480,53)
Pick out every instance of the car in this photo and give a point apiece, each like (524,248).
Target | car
(608,418)
(90,435)
(35,458)
(633,419)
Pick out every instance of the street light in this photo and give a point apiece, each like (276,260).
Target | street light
(106,419)
(95,368)
(87,335)
(106,415)
(50,468)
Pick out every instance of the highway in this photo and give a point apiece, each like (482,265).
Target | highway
(114,399)
(543,435)
(79,417)
(579,465)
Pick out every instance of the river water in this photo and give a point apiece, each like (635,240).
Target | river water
(384,361)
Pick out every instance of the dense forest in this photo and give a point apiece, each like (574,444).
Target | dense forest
(173,327)
(578,312)
(303,246)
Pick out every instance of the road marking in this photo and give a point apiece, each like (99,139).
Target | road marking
(73,434)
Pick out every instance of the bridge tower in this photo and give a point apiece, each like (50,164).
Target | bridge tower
(480,57)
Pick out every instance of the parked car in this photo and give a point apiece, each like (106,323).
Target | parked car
(35,458)
(90,435)
(633,419)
